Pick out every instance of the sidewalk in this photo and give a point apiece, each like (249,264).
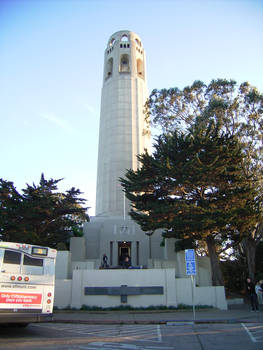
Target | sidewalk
(235,314)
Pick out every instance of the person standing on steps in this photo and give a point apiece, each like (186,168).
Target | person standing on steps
(105,264)
(250,287)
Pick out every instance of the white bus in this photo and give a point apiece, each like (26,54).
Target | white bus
(27,282)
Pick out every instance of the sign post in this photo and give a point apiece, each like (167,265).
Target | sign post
(191,271)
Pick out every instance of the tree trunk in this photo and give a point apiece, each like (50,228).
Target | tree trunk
(217,276)
(250,246)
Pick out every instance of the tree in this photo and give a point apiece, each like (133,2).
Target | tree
(10,201)
(259,261)
(237,110)
(40,215)
(191,186)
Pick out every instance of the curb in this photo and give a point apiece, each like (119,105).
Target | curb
(166,322)
(109,322)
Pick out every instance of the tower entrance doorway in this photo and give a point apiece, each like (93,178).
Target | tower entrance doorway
(124,254)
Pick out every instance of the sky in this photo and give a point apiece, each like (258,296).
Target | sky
(51,66)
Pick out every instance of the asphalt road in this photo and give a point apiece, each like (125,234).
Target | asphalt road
(56,336)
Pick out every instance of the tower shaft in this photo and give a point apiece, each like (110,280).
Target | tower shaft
(124,132)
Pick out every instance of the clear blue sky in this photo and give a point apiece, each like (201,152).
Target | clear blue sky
(51,64)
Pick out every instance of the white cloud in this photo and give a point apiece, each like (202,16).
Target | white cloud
(91,109)
(62,124)
(27,123)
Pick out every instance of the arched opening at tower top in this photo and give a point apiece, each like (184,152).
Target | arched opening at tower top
(125,38)
(124,63)
(112,42)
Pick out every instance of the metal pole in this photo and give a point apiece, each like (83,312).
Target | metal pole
(193,295)
(150,247)
(124,209)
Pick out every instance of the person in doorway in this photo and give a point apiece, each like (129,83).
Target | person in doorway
(127,262)
(105,261)
(250,286)
(122,261)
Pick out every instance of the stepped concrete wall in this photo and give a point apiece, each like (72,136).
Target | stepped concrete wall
(175,291)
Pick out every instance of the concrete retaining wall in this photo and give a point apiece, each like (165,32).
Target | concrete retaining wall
(175,290)
(63,293)
(211,296)
(63,265)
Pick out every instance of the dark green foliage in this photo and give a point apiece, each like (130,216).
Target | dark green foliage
(191,184)
(40,215)
(235,273)
(204,179)
(10,204)
(183,244)
(154,308)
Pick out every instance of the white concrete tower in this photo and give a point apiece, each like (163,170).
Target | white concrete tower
(123,130)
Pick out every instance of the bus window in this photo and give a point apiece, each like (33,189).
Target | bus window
(32,266)
(32,261)
(11,262)
(11,257)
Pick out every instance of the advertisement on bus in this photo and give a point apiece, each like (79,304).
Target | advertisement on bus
(13,299)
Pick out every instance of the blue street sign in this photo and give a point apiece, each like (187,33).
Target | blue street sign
(190,262)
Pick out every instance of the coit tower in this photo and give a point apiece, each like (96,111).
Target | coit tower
(124,133)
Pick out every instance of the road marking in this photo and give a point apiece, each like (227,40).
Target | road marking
(254,331)
(180,323)
(159,334)
(124,346)
(146,332)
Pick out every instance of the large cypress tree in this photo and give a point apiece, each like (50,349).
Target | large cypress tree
(40,214)
(237,110)
(192,186)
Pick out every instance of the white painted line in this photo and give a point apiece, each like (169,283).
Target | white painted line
(179,323)
(249,333)
(125,346)
(159,334)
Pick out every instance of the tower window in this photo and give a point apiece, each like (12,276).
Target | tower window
(112,42)
(138,42)
(124,63)
(124,46)
(109,68)
(140,68)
